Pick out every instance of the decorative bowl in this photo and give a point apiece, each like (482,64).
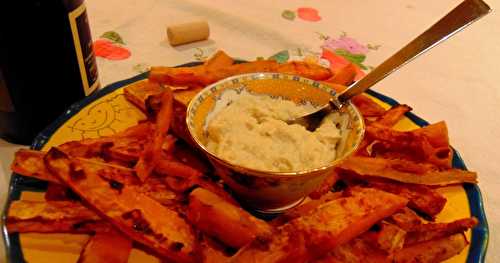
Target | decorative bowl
(268,191)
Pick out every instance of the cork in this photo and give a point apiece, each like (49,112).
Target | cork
(187,33)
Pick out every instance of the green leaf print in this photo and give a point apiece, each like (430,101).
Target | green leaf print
(354,58)
(288,14)
(281,57)
(113,36)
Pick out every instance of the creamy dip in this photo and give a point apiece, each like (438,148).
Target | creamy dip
(251,132)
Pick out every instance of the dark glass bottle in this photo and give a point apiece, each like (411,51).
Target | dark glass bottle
(46,64)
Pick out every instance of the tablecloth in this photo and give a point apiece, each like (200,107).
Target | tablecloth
(456,81)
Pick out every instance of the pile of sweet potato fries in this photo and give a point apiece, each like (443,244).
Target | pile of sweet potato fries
(148,188)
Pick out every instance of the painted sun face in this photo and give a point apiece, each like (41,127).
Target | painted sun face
(98,117)
(105,117)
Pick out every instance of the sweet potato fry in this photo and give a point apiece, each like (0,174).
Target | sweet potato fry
(325,187)
(212,251)
(53,217)
(153,150)
(138,92)
(219,60)
(176,168)
(357,250)
(421,198)
(181,178)
(436,134)
(304,208)
(133,213)
(330,225)
(106,247)
(23,165)
(122,148)
(156,188)
(426,232)
(304,69)
(228,223)
(59,192)
(367,106)
(344,76)
(393,115)
(178,176)
(202,76)
(30,163)
(179,127)
(406,218)
(406,171)
(435,250)
(180,76)
(387,237)
(189,156)
(403,143)
(392,144)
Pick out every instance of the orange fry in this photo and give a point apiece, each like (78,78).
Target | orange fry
(436,133)
(406,171)
(426,232)
(305,208)
(52,217)
(344,76)
(409,145)
(219,60)
(435,250)
(406,218)
(228,223)
(153,149)
(30,163)
(393,115)
(138,92)
(421,198)
(367,106)
(304,69)
(212,251)
(138,216)
(59,192)
(387,237)
(328,226)
(325,187)
(180,76)
(189,156)
(357,250)
(106,247)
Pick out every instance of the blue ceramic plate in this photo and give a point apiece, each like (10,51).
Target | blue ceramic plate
(18,184)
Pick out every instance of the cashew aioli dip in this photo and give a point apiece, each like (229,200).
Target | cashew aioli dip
(251,132)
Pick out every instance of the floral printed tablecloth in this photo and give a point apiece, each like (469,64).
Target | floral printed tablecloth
(456,82)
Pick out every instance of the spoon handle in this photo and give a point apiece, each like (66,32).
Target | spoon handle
(459,18)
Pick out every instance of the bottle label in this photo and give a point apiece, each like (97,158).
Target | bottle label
(83,46)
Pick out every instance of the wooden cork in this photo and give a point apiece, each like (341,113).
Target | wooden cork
(187,33)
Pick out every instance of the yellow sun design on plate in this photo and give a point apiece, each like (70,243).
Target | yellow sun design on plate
(105,116)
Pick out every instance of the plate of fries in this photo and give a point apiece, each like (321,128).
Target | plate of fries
(117,179)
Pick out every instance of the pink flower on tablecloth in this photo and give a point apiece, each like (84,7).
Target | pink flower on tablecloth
(346,43)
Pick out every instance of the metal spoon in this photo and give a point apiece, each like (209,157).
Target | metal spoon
(457,19)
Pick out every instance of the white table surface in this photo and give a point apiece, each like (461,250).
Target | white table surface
(456,82)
